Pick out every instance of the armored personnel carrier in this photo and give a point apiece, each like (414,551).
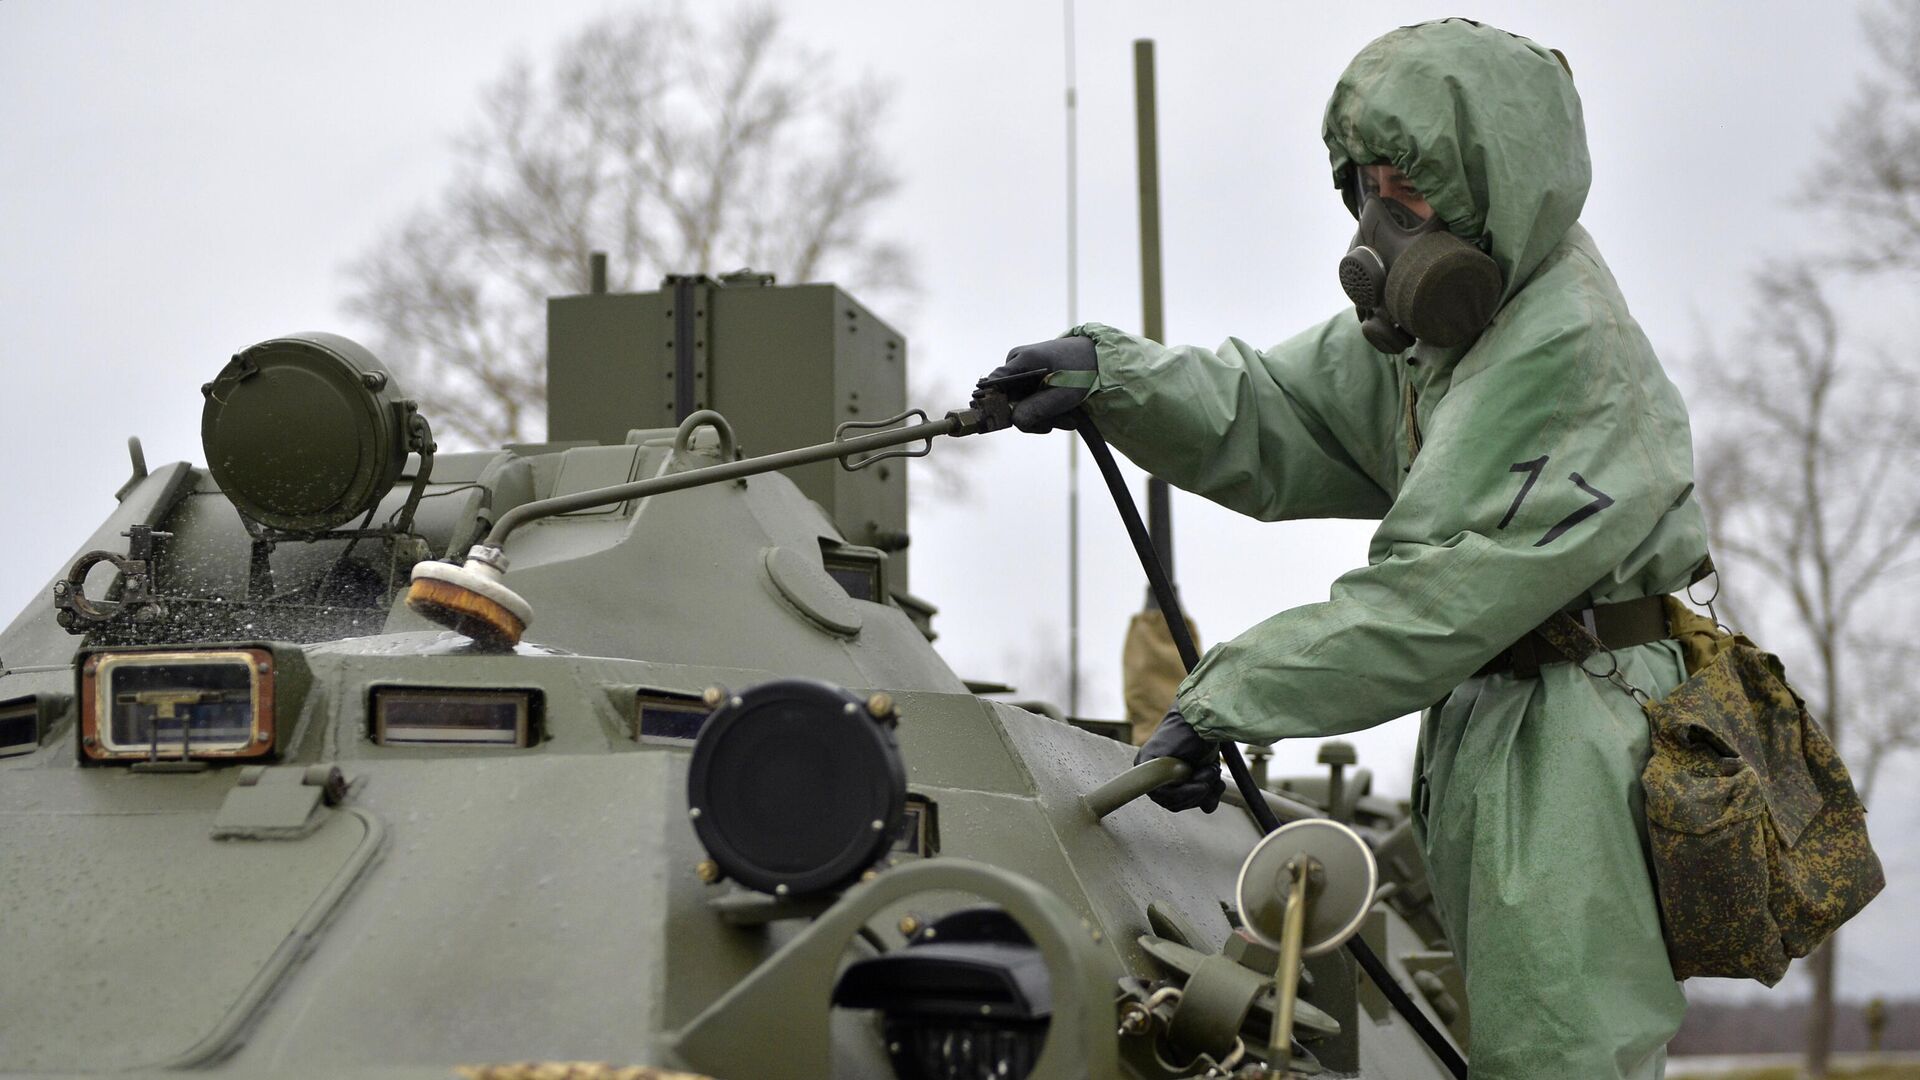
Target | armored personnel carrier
(338,755)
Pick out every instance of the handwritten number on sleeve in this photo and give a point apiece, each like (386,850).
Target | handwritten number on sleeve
(1533,469)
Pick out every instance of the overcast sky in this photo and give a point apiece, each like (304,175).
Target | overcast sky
(181,179)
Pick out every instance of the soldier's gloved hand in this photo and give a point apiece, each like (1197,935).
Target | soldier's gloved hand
(1175,738)
(1037,407)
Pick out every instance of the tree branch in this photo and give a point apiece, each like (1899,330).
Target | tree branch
(676,147)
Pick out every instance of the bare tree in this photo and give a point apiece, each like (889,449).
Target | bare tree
(1807,467)
(1868,179)
(675,148)
(1867,182)
(1882,723)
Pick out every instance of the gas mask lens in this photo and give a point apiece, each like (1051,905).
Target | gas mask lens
(1384,182)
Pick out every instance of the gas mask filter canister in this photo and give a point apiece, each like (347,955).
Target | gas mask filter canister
(1411,279)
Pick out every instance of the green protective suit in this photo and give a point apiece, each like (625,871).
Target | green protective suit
(1547,465)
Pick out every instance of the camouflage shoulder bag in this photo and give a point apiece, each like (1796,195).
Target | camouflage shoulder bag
(1758,839)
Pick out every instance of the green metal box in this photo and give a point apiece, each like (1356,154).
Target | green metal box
(783,363)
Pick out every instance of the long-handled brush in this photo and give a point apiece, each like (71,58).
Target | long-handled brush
(473,600)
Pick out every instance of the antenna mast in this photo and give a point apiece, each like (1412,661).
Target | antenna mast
(1159,504)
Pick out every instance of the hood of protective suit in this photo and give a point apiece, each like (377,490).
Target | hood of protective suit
(1485,123)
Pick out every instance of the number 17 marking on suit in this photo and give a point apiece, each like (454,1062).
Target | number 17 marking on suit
(1533,469)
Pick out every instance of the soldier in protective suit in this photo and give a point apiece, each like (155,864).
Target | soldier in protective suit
(1499,412)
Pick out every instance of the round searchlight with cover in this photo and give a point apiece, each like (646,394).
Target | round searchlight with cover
(797,787)
(307,431)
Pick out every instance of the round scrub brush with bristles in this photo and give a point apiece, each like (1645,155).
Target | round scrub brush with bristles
(471,599)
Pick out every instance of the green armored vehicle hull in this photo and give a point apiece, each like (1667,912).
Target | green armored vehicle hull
(259,816)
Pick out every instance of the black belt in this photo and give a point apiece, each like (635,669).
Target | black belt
(1618,626)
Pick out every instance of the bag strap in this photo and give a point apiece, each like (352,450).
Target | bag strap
(1571,638)
(1580,643)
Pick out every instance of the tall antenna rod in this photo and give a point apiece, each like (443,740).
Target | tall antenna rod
(1073,319)
(1159,505)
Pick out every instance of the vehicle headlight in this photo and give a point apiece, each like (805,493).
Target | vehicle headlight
(177,705)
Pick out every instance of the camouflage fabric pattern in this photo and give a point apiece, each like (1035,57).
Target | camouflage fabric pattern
(1759,841)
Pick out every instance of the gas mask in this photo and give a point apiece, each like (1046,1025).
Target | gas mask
(1410,279)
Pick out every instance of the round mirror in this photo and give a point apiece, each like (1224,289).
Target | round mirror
(1339,891)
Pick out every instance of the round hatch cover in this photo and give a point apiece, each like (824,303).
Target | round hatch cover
(795,788)
(304,432)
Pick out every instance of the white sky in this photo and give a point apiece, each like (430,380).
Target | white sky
(181,179)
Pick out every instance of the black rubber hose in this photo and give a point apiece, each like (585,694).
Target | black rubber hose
(1189,656)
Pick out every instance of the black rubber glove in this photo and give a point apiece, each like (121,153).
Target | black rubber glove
(1039,408)
(1175,738)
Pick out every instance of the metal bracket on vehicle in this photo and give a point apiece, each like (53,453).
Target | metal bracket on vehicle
(79,612)
(282,802)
